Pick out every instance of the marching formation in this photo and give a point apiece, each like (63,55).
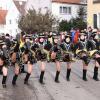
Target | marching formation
(28,49)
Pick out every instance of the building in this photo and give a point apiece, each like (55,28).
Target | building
(62,9)
(3,14)
(11,10)
(67,9)
(93,13)
(20,5)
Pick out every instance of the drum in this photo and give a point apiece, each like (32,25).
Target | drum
(41,55)
(67,57)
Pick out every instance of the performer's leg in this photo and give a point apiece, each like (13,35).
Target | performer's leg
(30,66)
(42,72)
(95,76)
(16,74)
(57,71)
(68,71)
(84,71)
(97,65)
(5,70)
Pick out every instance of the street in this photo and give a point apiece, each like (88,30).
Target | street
(76,89)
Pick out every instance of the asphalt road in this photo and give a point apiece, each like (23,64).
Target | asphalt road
(76,89)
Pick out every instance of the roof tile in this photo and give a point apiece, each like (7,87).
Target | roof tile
(3,14)
(68,1)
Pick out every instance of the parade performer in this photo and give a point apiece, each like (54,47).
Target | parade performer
(94,50)
(81,52)
(27,57)
(56,55)
(67,48)
(3,62)
(15,60)
(41,56)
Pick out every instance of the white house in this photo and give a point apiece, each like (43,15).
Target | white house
(62,9)
(12,9)
(11,18)
(66,9)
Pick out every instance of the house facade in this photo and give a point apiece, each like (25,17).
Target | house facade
(93,13)
(12,16)
(62,9)
(67,9)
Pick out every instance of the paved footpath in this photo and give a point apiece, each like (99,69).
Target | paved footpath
(76,89)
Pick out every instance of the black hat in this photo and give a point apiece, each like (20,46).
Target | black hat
(67,38)
(28,37)
(55,36)
(42,36)
(7,35)
(68,35)
(82,33)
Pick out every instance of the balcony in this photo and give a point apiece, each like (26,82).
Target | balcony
(96,1)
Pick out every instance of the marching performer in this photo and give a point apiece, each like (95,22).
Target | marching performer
(81,52)
(3,62)
(56,55)
(15,60)
(66,46)
(97,65)
(8,41)
(48,46)
(27,58)
(94,49)
(41,56)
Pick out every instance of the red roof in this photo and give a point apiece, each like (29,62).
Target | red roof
(3,14)
(67,1)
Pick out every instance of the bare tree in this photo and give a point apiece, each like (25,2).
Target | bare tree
(37,22)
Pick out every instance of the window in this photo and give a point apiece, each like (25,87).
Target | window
(9,21)
(46,9)
(60,9)
(65,10)
(69,10)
